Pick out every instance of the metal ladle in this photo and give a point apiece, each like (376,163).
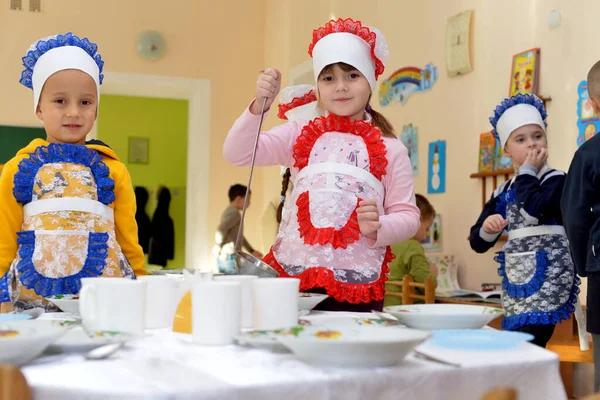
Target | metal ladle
(247,264)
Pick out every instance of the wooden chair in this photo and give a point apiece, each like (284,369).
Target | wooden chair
(407,290)
(501,393)
(13,385)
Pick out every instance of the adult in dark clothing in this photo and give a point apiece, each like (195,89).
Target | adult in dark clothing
(162,242)
(141,217)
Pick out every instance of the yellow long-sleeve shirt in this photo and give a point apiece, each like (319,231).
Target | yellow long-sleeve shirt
(124,206)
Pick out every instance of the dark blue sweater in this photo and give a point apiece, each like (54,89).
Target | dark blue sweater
(537,193)
(581,207)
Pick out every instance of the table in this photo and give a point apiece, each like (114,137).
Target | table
(166,365)
(564,340)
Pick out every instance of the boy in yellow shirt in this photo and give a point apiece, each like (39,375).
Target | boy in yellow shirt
(68,206)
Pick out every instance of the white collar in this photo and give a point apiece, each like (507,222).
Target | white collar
(540,173)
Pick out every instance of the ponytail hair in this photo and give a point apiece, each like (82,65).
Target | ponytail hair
(284,188)
(382,123)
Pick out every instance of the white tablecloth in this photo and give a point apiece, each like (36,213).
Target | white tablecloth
(166,365)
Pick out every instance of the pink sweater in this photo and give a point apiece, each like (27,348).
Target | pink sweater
(402,218)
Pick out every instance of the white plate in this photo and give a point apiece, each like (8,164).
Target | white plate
(303,313)
(68,305)
(308,301)
(22,341)
(444,316)
(267,340)
(334,321)
(327,318)
(76,340)
(352,346)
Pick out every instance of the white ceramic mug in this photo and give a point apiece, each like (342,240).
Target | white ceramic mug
(246,281)
(113,304)
(161,300)
(216,312)
(275,303)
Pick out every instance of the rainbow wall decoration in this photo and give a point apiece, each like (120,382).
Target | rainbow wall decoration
(405,82)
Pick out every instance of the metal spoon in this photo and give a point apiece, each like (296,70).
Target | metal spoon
(246,263)
(102,352)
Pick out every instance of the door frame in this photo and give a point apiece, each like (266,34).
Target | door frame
(197,93)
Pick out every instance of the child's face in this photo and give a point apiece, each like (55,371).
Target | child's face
(422,232)
(239,202)
(344,93)
(522,139)
(68,106)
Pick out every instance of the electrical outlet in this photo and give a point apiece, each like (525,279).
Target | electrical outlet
(554,19)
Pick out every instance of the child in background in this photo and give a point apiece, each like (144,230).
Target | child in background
(410,255)
(68,207)
(162,243)
(353,187)
(227,231)
(141,217)
(539,285)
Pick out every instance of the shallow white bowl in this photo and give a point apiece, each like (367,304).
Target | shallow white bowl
(76,340)
(308,301)
(353,347)
(27,339)
(444,316)
(66,305)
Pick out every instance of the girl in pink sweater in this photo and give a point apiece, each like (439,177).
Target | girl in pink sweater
(353,191)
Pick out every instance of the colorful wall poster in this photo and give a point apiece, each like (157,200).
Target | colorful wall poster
(588,122)
(487,152)
(525,71)
(436,175)
(405,82)
(503,162)
(433,237)
(447,279)
(410,139)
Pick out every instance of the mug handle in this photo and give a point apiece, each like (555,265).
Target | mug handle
(87,306)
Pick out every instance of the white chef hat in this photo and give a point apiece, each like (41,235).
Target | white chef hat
(515,112)
(56,53)
(350,42)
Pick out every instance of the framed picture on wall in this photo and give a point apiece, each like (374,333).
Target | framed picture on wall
(433,237)
(525,72)
(436,174)
(458,50)
(487,152)
(138,150)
